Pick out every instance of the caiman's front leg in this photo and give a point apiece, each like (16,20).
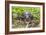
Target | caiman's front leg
(27,24)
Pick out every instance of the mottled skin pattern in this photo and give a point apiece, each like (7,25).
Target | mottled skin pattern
(26,18)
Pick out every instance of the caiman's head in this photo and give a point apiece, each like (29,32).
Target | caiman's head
(27,16)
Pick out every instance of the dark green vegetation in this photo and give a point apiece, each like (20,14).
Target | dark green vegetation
(18,11)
